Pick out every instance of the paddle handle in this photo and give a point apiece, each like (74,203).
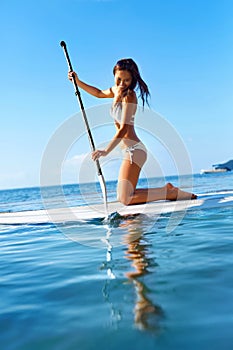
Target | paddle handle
(77,93)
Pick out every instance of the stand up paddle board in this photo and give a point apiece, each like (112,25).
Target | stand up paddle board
(92,211)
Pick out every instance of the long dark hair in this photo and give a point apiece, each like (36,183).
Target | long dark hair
(137,81)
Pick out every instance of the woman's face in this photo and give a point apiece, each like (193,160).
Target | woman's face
(123,79)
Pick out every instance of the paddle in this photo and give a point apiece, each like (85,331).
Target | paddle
(91,140)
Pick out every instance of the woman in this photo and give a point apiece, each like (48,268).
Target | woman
(127,79)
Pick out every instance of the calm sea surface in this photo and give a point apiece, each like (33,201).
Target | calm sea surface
(128,285)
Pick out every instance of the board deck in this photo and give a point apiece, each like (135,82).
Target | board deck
(82,213)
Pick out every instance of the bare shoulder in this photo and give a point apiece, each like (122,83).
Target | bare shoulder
(131,97)
(113,89)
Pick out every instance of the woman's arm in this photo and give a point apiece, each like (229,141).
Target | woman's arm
(91,89)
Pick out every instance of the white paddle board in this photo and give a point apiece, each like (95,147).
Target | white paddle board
(97,211)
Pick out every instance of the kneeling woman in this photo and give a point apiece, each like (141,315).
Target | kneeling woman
(127,78)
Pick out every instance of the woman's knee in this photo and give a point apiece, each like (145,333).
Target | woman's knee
(125,192)
(124,198)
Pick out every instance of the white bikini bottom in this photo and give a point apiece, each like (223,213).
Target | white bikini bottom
(131,149)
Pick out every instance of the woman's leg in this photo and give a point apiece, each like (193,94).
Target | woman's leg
(128,176)
(127,182)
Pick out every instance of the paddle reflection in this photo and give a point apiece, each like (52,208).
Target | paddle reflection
(147,314)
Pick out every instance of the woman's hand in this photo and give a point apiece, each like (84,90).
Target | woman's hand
(72,75)
(98,153)
(120,92)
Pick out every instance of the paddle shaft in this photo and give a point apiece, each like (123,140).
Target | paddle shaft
(77,93)
(91,140)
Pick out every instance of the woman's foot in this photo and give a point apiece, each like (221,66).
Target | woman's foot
(174,193)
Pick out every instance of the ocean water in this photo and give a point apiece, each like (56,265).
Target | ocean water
(130,284)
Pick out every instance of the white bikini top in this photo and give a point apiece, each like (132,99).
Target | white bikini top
(116,112)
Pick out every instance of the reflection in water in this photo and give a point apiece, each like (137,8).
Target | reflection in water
(109,255)
(147,315)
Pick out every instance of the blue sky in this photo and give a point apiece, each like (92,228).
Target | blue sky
(184,49)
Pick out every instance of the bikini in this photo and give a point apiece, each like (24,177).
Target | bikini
(116,111)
